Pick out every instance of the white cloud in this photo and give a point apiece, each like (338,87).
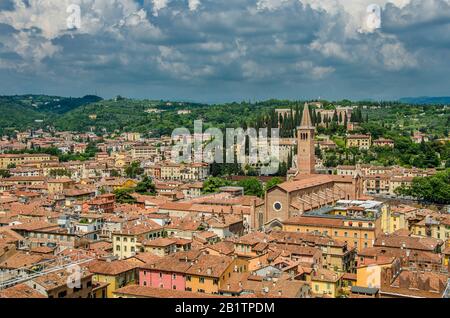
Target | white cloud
(173,63)
(238,41)
(255,71)
(159,5)
(395,57)
(270,4)
(49,19)
(51,16)
(309,70)
(193,4)
(135,18)
(330,49)
(212,46)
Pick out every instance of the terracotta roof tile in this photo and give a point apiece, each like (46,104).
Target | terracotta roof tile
(20,291)
(111,268)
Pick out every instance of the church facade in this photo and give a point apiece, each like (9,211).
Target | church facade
(308,190)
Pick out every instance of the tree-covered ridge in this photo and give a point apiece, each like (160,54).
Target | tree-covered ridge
(434,120)
(157,118)
(49,104)
(22,112)
(161,117)
(391,120)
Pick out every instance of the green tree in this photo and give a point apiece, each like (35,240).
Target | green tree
(435,189)
(250,171)
(272,182)
(60,173)
(146,186)
(5,174)
(212,184)
(114,173)
(123,196)
(331,160)
(283,169)
(252,186)
(134,170)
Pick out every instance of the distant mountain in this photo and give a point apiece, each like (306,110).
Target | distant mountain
(425,100)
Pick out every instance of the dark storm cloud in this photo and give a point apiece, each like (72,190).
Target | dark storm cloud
(226,50)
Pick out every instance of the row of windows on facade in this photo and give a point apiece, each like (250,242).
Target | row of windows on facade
(355,235)
(52,236)
(201,280)
(438,235)
(125,239)
(132,240)
(63,293)
(132,248)
(174,287)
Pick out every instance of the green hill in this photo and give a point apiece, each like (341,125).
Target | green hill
(158,117)
(154,117)
(36,111)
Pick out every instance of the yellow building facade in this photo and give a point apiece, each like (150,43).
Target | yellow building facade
(356,234)
(210,284)
(127,245)
(18,159)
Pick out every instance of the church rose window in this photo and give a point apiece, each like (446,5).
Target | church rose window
(277,206)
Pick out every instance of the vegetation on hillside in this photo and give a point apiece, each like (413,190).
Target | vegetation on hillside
(36,111)
(392,120)
(435,189)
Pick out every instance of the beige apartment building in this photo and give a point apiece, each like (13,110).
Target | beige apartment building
(357,223)
(19,159)
(383,142)
(128,241)
(359,141)
(143,152)
(184,172)
(383,180)
(132,136)
(436,226)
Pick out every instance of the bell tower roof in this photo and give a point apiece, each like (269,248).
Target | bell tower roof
(306,122)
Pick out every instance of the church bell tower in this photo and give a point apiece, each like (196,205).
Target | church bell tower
(306,159)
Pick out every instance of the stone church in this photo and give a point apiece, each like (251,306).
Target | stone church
(308,190)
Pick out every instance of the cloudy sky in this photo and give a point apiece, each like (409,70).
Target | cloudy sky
(224,50)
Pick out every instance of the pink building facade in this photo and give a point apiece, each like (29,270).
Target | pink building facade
(162,279)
